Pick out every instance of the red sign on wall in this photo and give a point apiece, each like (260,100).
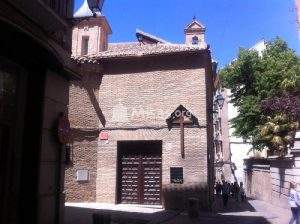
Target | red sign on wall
(103,135)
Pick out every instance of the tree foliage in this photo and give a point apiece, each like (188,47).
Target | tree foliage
(265,89)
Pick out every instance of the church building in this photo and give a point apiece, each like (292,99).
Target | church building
(141,117)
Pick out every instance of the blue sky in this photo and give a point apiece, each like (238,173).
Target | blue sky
(230,23)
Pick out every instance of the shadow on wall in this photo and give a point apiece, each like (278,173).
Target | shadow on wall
(91,82)
(84,135)
(282,165)
(249,175)
(268,179)
(258,178)
(176,197)
(153,64)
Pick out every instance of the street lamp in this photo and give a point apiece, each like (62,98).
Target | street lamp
(95,5)
(220,100)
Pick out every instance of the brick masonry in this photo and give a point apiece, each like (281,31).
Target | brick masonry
(194,163)
(147,91)
(84,120)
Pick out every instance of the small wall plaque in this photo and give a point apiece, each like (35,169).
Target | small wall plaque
(176,175)
(82,175)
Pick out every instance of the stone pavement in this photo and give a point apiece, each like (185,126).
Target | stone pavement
(250,212)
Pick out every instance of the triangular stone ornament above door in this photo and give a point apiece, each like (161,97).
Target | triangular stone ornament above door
(173,119)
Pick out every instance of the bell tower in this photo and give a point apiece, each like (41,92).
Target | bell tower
(90,32)
(194,33)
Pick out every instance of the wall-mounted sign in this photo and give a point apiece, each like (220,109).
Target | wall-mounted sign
(176,175)
(82,175)
(103,135)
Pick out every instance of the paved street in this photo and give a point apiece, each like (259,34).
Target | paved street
(251,212)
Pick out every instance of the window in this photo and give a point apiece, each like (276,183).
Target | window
(85,45)
(195,40)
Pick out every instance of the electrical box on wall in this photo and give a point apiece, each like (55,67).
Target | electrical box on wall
(82,175)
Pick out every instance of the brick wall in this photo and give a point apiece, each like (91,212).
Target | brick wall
(194,163)
(147,91)
(156,91)
(85,118)
(84,109)
(84,158)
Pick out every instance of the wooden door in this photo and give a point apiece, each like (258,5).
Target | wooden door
(130,179)
(140,176)
(151,179)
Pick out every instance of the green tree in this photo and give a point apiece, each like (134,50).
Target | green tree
(254,82)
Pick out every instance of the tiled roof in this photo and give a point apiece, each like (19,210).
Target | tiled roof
(136,49)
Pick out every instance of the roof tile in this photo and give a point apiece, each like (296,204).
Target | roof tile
(136,49)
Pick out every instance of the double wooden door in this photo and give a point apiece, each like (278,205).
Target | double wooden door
(140,175)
